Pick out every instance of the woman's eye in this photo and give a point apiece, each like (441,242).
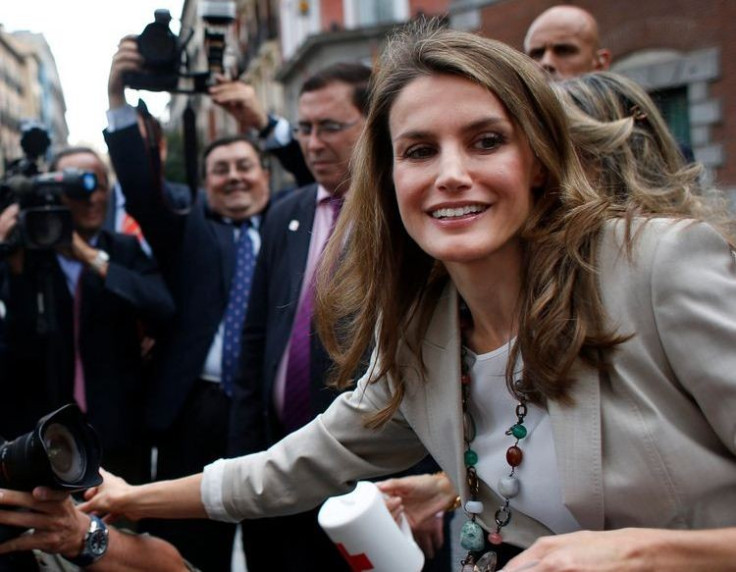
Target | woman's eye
(418,152)
(489,141)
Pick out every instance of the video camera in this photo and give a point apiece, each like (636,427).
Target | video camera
(43,222)
(167,63)
(63,452)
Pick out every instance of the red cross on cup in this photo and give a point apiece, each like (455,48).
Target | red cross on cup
(358,562)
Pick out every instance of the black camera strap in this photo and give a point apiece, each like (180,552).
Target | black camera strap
(190,149)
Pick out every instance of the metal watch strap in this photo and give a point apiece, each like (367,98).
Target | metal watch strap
(100,260)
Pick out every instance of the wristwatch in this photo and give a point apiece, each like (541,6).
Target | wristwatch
(99,261)
(95,543)
(266,131)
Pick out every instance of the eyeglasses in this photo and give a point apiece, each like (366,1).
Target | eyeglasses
(323,129)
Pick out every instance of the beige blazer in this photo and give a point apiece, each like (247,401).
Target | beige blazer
(653,445)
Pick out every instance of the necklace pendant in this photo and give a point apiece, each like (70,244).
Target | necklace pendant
(487,563)
(471,537)
(468,565)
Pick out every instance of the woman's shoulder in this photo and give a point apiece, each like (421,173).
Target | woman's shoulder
(642,236)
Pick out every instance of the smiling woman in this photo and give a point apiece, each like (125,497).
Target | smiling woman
(463,180)
(512,335)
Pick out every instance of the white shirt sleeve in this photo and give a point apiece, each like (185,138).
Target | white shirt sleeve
(121,117)
(211,491)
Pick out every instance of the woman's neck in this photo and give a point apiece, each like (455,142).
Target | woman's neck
(491,290)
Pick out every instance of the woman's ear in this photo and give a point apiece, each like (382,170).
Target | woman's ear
(539,174)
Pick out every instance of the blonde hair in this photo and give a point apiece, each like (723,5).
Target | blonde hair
(630,153)
(373,273)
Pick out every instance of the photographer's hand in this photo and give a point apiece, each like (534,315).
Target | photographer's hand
(239,100)
(126,59)
(88,255)
(58,527)
(8,221)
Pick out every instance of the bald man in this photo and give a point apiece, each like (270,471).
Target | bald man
(564,41)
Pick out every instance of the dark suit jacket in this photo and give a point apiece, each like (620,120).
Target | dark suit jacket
(196,252)
(274,297)
(39,371)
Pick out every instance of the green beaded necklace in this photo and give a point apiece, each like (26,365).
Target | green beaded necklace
(472,536)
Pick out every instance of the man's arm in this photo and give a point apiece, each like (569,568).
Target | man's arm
(240,100)
(135,166)
(134,277)
(58,527)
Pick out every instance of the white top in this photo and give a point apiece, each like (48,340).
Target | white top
(494,410)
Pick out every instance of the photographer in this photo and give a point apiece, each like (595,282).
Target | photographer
(74,319)
(60,538)
(235,96)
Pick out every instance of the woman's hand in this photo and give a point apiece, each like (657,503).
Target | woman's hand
(430,534)
(422,496)
(109,500)
(630,550)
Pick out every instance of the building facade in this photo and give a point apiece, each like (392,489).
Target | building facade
(29,89)
(281,42)
(681,51)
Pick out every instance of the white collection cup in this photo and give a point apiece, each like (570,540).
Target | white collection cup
(367,535)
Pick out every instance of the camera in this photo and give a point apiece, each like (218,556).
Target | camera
(167,63)
(63,452)
(43,222)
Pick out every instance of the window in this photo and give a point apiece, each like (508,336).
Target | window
(360,13)
(674,106)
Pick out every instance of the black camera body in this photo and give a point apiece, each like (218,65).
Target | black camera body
(43,222)
(167,62)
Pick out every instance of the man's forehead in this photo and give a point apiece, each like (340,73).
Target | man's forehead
(562,25)
(236,151)
(334,98)
(81,158)
(565,33)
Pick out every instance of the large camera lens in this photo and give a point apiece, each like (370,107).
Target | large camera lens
(63,452)
(67,460)
(46,227)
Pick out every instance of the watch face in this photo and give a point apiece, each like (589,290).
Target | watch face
(97,542)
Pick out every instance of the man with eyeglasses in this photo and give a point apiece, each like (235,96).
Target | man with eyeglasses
(283,368)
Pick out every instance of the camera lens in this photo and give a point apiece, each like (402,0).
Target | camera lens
(46,227)
(67,460)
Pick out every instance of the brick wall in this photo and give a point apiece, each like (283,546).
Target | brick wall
(631,26)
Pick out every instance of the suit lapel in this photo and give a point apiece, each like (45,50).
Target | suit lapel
(577,430)
(298,236)
(577,433)
(442,404)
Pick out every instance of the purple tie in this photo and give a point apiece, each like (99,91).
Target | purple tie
(297,409)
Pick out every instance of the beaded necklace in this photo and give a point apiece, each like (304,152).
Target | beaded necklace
(471,535)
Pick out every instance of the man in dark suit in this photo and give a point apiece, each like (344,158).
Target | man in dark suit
(74,318)
(332,107)
(204,252)
(188,403)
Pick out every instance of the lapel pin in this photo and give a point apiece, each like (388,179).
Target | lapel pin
(294,225)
